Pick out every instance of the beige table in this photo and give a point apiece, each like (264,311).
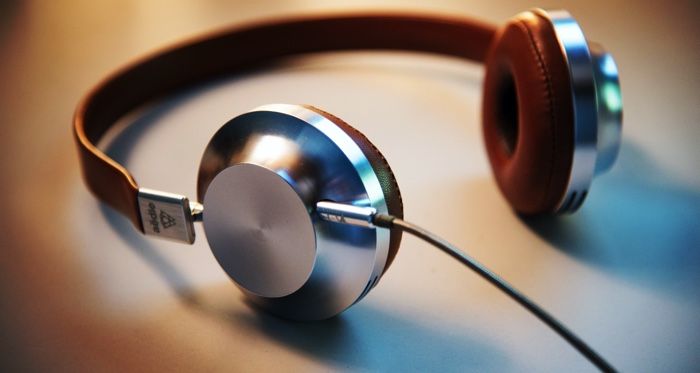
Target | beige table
(81,290)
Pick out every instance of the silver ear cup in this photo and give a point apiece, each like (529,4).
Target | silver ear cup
(597,107)
(260,178)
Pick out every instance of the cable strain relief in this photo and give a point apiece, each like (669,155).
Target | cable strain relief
(383,220)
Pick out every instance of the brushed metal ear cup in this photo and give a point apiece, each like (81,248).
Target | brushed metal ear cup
(540,113)
(260,178)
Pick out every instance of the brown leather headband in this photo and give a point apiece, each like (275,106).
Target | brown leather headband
(234,49)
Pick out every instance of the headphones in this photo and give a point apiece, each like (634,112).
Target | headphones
(270,179)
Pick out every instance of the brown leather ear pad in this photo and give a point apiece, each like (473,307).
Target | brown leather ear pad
(387,180)
(528,115)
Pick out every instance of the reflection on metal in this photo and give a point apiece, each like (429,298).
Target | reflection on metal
(278,160)
(259,230)
(346,214)
(197,210)
(597,107)
(609,101)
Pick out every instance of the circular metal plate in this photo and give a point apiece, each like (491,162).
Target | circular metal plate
(292,145)
(259,230)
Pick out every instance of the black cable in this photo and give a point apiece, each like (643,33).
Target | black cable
(388,221)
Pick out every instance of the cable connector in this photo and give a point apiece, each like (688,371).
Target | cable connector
(346,214)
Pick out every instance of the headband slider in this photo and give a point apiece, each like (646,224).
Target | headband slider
(168,215)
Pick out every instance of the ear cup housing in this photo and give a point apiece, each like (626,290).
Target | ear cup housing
(260,178)
(528,114)
(387,180)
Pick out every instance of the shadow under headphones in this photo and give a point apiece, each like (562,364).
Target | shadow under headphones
(293,198)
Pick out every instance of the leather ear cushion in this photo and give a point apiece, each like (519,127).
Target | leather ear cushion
(528,115)
(387,180)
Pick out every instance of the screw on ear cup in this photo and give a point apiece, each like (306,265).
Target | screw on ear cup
(528,114)
(387,180)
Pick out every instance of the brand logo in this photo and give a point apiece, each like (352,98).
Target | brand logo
(165,220)
(153,217)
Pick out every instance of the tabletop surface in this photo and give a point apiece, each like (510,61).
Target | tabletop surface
(82,290)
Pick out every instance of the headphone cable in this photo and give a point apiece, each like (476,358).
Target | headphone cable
(388,221)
